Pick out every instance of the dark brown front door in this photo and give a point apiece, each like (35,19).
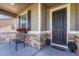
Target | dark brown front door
(59,27)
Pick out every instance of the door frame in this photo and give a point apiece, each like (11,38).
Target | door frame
(67,6)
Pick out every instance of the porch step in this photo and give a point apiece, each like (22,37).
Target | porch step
(59,48)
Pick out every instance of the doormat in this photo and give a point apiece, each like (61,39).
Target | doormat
(59,48)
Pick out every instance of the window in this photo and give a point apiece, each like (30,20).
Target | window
(25,20)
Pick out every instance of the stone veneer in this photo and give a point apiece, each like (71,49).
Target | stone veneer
(71,37)
(37,40)
(43,37)
(33,39)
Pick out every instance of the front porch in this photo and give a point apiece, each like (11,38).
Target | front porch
(37,19)
(9,50)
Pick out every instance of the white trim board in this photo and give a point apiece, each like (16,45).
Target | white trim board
(68,20)
(39,10)
(74,32)
(60,45)
(39,32)
(23,12)
(33,32)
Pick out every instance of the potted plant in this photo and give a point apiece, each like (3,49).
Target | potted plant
(47,41)
(72,46)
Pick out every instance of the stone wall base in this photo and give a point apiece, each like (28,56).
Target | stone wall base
(37,40)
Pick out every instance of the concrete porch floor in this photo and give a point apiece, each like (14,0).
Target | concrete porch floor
(9,50)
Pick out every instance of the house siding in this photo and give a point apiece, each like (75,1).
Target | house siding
(77,20)
(43,18)
(34,16)
(73,17)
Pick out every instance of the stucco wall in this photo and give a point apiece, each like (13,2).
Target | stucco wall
(6,25)
(34,16)
(7,29)
(5,22)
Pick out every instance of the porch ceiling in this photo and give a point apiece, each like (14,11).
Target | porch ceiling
(49,5)
(16,8)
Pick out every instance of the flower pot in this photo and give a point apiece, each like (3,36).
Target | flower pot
(47,41)
(72,46)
